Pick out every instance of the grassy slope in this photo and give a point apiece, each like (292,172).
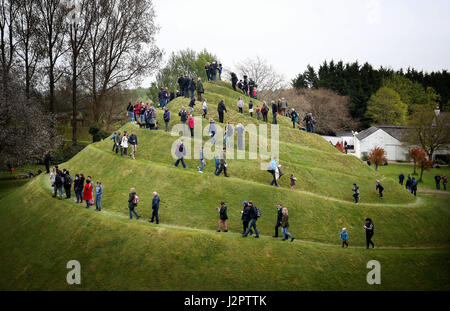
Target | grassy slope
(119,254)
(116,254)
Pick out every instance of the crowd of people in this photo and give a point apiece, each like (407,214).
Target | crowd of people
(123,142)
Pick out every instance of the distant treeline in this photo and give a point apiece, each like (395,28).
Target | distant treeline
(360,82)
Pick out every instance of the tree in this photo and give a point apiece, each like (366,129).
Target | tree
(308,79)
(423,163)
(184,62)
(413,94)
(78,32)
(415,154)
(120,48)
(28,48)
(264,75)
(386,107)
(26,130)
(53,33)
(8,42)
(377,157)
(428,130)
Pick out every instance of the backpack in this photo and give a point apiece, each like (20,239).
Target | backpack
(181,149)
(258,212)
(135,199)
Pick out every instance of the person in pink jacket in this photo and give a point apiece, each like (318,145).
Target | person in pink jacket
(191,124)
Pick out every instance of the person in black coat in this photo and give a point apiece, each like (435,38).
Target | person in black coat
(279,218)
(253,214)
(220,109)
(155,208)
(274,112)
(369,228)
(47,160)
(59,184)
(245,217)
(234,80)
(380,189)
(67,184)
(222,217)
(181,85)
(245,86)
(186,83)
(401,178)
(192,87)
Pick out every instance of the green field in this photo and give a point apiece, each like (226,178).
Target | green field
(41,234)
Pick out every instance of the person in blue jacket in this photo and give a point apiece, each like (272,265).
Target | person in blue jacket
(98,196)
(155,208)
(344,237)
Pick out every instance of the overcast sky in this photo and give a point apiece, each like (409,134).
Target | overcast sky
(290,34)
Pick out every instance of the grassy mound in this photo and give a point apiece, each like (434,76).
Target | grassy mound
(41,234)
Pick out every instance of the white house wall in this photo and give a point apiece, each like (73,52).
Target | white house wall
(393,147)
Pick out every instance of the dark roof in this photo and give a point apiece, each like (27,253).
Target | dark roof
(395,131)
(366,133)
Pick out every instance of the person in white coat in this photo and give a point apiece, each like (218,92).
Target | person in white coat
(124,144)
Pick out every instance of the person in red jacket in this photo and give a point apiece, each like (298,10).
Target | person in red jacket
(88,192)
(137,111)
(191,124)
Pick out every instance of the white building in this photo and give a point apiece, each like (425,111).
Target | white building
(387,137)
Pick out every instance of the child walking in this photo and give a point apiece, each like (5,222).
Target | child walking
(293,180)
(344,237)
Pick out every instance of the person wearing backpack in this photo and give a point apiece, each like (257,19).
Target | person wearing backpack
(285,225)
(380,189)
(356,193)
(254,214)
(180,152)
(294,117)
(68,184)
(222,217)
(133,201)
(88,192)
(279,219)
(98,196)
(245,217)
(155,208)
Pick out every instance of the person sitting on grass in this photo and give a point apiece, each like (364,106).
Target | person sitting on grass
(133,201)
(285,225)
(222,217)
(344,237)
(380,189)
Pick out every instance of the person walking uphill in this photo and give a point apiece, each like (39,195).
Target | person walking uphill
(133,201)
(180,152)
(254,214)
(223,163)
(88,192)
(356,193)
(285,225)
(369,228)
(220,109)
(222,217)
(155,208)
(380,189)
(279,219)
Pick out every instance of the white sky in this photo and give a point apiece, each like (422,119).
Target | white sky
(291,34)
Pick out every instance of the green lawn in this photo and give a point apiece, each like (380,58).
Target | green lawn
(40,234)
(394,170)
(118,254)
